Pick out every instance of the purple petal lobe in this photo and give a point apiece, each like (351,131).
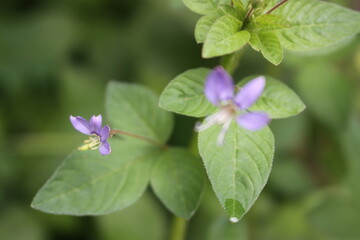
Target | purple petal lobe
(219,86)
(253,120)
(80,124)
(104,148)
(95,124)
(104,133)
(250,93)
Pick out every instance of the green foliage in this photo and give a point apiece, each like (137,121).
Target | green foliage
(288,171)
(18,223)
(72,48)
(352,152)
(336,214)
(327,93)
(270,47)
(125,224)
(277,99)
(316,24)
(203,26)
(222,229)
(185,94)
(239,169)
(178,180)
(204,6)
(255,41)
(268,23)
(224,37)
(90,184)
(299,25)
(334,211)
(134,108)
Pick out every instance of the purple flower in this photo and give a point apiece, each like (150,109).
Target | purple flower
(220,91)
(99,136)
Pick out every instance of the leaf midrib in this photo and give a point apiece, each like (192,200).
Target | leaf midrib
(296,25)
(99,178)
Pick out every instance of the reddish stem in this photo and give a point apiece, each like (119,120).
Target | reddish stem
(161,145)
(276,6)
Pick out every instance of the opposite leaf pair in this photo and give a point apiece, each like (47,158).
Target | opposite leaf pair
(87,183)
(228,29)
(219,90)
(298,25)
(90,184)
(239,169)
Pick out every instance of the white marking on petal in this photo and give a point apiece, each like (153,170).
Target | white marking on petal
(221,137)
(208,122)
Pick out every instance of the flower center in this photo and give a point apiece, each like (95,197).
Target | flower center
(91,144)
(226,113)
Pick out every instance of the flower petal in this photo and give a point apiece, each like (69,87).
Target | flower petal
(80,124)
(219,86)
(104,133)
(253,120)
(250,93)
(95,124)
(104,148)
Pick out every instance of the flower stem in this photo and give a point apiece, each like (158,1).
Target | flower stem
(178,228)
(276,6)
(248,14)
(158,144)
(230,62)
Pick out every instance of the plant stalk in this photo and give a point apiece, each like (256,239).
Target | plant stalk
(153,142)
(230,62)
(276,6)
(248,14)
(178,228)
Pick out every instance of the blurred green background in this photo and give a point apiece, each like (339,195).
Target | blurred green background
(55,60)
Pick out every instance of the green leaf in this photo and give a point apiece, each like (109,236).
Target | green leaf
(268,4)
(204,7)
(267,23)
(27,222)
(90,184)
(350,147)
(124,224)
(203,26)
(134,108)
(270,47)
(255,41)
(289,177)
(316,24)
(232,12)
(185,94)
(337,214)
(178,180)
(239,5)
(244,2)
(239,169)
(277,99)
(224,37)
(327,93)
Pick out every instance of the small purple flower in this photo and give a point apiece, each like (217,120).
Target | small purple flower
(99,136)
(220,91)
